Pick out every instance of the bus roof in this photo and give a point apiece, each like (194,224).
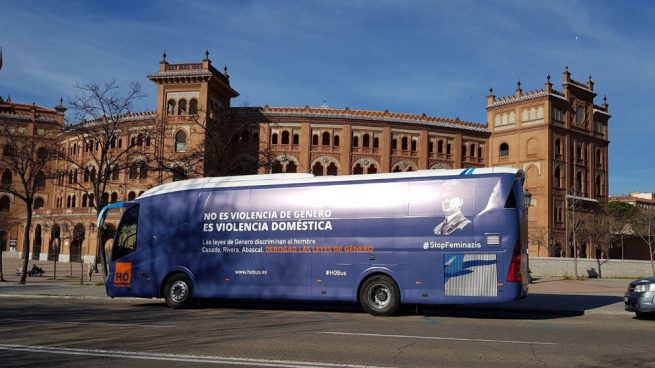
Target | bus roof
(304,178)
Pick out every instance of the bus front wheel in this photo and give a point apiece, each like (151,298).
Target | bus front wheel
(379,296)
(178,291)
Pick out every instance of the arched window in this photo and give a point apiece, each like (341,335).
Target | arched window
(139,140)
(134,170)
(394,143)
(180,141)
(599,159)
(296,139)
(558,177)
(6,177)
(291,167)
(274,138)
(285,137)
(372,169)
(440,146)
(578,182)
(414,144)
(326,139)
(91,200)
(115,172)
(599,189)
(131,196)
(336,141)
(8,150)
(558,147)
(5,203)
(193,106)
(143,170)
(358,169)
(84,200)
(332,169)
(93,173)
(472,150)
(317,170)
(68,201)
(73,201)
(376,142)
(245,137)
(105,199)
(404,144)
(315,140)
(181,109)
(355,141)
(504,150)
(366,140)
(42,154)
(114,197)
(171,107)
(277,167)
(179,174)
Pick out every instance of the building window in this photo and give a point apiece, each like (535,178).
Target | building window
(5,204)
(414,144)
(296,138)
(317,169)
(504,150)
(143,170)
(170,110)
(315,140)
(39,203)
(332,169)
(133,174)
(180,141)
(39,181)
(6,177)
(131,196)
(285,137)
(366,140)
(274,138)
(326,139)
(336,141)
(114,197)
(193,106)
(355,141)
(178,174)
(558,177)
(181,109)
(394,143)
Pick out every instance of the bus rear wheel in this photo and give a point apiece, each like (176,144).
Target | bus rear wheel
(178,291)
(379,296)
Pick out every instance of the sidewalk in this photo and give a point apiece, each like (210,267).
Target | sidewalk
(546,296)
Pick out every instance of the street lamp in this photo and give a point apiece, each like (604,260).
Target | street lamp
(527,200)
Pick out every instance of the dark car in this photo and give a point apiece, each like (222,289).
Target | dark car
(640,297)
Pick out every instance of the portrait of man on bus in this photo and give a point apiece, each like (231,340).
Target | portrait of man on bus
(453,192)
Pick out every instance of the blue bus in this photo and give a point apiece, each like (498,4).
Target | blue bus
(423,237)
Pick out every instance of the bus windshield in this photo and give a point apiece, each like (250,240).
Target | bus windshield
(126,234)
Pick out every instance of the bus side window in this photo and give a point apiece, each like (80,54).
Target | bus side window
(511,200)
(126,233)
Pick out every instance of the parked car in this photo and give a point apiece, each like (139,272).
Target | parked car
(640,297)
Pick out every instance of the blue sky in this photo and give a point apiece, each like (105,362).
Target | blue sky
(433,57)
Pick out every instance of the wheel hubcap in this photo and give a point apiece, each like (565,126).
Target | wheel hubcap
(380,296)
(179,291)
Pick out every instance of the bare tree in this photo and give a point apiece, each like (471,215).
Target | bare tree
(644,227)
(26,156)
(539,236)
(597,230)
(229,145)
(111,139)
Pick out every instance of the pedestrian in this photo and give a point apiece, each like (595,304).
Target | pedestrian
(90,270)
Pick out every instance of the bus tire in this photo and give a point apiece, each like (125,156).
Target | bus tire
(379,296)
(178,291)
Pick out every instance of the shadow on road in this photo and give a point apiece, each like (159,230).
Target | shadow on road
(536,306)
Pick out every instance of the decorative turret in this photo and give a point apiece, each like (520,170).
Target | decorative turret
(519,91)
(491,97)
(549,86)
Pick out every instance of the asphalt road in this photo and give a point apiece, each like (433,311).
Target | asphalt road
(63,333)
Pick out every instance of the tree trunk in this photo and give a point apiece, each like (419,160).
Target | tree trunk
(103,256)
(26,245)
(2,277)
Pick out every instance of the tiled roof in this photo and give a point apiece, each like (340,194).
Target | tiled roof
(525,96)
(386,116)
(129,117)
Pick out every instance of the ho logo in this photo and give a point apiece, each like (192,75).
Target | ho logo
(123,274)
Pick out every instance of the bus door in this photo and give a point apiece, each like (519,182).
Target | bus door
(120,280)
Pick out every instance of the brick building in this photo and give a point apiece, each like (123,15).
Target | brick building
(559,138)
